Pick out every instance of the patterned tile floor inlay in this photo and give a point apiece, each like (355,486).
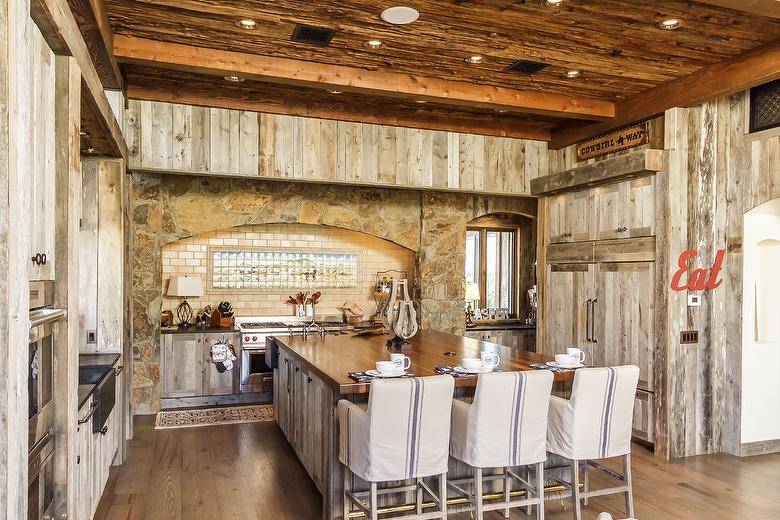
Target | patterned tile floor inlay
(213,416)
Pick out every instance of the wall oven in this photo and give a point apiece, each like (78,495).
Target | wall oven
(40,480)
(40,405)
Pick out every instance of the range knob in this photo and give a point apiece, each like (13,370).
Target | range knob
(254,338)
(246,338)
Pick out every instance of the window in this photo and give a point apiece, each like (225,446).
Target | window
(765,106)
(490,264)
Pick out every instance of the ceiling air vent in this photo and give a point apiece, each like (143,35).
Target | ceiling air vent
(312,35)
(526,67)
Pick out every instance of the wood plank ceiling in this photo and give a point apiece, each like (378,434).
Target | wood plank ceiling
(615,44)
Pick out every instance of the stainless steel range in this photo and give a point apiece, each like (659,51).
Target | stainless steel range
(257,367)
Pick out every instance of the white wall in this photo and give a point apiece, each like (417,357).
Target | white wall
(760,346)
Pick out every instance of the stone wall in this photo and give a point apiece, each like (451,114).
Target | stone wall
(167,208)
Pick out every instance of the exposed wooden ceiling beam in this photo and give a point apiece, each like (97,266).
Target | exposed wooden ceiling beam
(721,79)
(769,8)
(93,23)
(58,27)
(214,94)
(351,79)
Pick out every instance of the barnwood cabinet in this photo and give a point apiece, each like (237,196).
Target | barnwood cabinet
(599,281)
(186,369)
(618,210)
(519,338)
(95,455)
(301,401)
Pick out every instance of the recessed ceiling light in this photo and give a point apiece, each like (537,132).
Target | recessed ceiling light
(421,101)
(333,91)
(234,79)
(246,23)
(554,2)
(400,15)
(500,110)
(373,44)
(474,59)
(669,24)
(572,74)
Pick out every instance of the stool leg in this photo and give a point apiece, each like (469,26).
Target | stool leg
(629,484)
(373,505)
(575,489)
(418,497)
(528,489)
(540,491)
(347,487)
(478,492)
(507,489)
(443,495)
(585,483)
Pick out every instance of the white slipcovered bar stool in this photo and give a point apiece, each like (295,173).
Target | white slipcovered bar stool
(505,427)
(595,423)
(403,434)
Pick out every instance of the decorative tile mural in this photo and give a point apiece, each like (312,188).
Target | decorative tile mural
(259,270)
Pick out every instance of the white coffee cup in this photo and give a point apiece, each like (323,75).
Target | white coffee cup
(386,367)
(402,362)
(577,355)
(472,364)
(565,360)
(490,360)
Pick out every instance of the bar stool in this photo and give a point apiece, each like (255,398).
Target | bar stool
(404,434)
(595,423)
(504,427)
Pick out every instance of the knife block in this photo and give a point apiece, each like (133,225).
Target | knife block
(220,322)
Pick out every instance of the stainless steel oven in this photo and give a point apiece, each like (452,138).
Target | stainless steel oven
(40,361)
(256,375)
(40,480)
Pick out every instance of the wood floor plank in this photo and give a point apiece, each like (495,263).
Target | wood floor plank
(250,472)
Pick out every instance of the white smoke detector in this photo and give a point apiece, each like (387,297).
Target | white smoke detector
(400,15)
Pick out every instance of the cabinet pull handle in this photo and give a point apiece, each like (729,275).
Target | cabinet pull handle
(118,370)
(587,320)
(593,320)
(104,430)
(309,379)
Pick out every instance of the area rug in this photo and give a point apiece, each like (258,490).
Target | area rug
(213,416)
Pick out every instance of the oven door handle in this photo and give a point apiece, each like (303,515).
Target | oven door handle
(92,409)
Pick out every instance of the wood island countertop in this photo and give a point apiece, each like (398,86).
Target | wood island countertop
(333,357)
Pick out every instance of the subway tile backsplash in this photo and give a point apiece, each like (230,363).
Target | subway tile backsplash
(338,250)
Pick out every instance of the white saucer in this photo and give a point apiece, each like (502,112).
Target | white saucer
(556,365)
(475,371)
(377,373)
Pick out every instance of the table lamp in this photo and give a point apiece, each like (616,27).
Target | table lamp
(184,287)
(472,295)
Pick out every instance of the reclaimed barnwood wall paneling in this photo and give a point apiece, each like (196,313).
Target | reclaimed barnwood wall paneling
(175,138)
(67,338)
(88,251)
(717,173)
(15,174)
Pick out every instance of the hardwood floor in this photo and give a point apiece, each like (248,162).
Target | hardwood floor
(249,472)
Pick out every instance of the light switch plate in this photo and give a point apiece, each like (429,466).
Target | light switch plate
(694,300)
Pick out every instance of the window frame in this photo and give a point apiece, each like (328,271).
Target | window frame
(482,270)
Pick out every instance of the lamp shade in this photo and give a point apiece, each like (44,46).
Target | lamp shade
(472,292)
(186,286)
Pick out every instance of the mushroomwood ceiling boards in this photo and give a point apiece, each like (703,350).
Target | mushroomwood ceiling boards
(614,43)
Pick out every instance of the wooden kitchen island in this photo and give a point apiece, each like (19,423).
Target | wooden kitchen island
(312,375)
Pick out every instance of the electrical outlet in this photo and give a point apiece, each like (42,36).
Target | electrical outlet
(91,336)
(694,300)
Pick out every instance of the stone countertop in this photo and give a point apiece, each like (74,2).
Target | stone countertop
(197,330)
(501,325)
(85,391)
